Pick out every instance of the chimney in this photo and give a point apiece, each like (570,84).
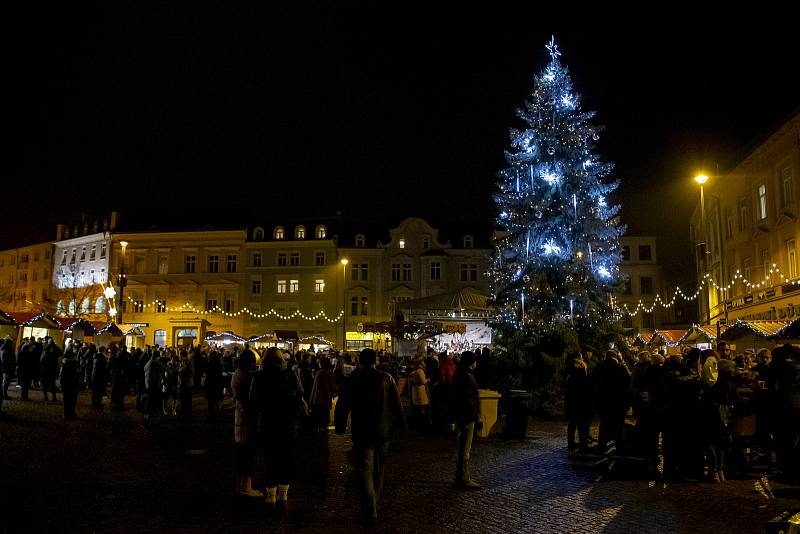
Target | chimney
(61,230)
(95,226)
(114,217)
(105,225)
(66,232)
(85,228)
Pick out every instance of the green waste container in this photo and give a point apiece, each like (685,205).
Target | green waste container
(517,416)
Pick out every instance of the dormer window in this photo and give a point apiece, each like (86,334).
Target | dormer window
(360,240)
(258,234)
(279,233)
(426,243)
(300,232)
(467,241)
(402,243)
(321,232)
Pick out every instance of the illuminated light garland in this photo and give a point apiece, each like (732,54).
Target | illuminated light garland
(321,315)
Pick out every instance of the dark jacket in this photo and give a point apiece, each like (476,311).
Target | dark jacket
(8,360)
(275,400)
(577,392)
(70,380)
(371,399)
(466,399)
(612,384)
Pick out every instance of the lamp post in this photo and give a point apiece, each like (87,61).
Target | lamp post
(702,179)
(344,262)
(122,283)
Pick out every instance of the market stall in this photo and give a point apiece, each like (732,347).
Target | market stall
(701,336)
(753,334)
(315,343)
(134,338)
(110,333)
(224,339)
(9,328)
(666,339)
(38,325)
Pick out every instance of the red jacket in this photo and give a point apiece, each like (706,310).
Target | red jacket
(447,372)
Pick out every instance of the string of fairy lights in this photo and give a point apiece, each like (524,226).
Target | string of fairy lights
(709,281)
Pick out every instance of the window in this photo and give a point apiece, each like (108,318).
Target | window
(746,269)
(762,201)
(99,305)
(36,275)
(321,232)
(791,254)
(627,290)
(360,240)
(213,264)
(282,259)
(279,232)
(645,253)
(402,243)
(72,258)
(161,306)
(229,304)
(258,234)
(436,270)
(294,286)
(64,258)
(86,305)
(765,263)
(300,232)
(163,264)
(426,243)
(232,263)
(646,285)
(319,286)
(255,287)
(468,241)
(93,254)
(160,338)
(319,258)
(469,272)
(256,259)
(189,263)
(742,214)
(281,286)
(728,223)
(60,308)
(648,320)
(211,303)
(83,254)
(626,253)
(788,185)
(406,272)
(103,251)
(395,272)
(294,258)
(138,306)
(358,306)
(360,271)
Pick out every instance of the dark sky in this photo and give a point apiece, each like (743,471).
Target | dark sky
(232,110)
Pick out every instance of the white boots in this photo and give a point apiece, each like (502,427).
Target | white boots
(246,488)
(279,494)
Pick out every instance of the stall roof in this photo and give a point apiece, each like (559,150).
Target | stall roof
(268,336)
(790,331)
(112,329)
(765,329)
(226,336)
(462,299)
(6,319)
(37,320)
(672,337)
(135,331)
(706,332)
(69,323)
(286,335)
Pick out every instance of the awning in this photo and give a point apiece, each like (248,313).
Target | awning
(315,340)
(668,337)
(72,324)
(790,331)
(466,299)
(135,331)
(228,336)
(702,333)
(286,335)
(263,338)
(764,329)
(6,319)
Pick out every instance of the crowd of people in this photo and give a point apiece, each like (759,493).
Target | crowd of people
(709,412)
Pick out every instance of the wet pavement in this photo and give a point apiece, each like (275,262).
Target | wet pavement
(110,472)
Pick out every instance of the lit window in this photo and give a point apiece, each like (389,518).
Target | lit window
(762,201)
(319,286)
(294,286)
(360,239)
(258,234)
(788,185)
(791,253)
(300,232)
(402,243)
(279,232)
(321,232)
(281,286)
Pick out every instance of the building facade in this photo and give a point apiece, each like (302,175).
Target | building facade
(747,232)
(25,275)
(641,275)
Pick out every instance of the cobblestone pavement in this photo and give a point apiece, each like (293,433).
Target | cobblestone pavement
(108,472)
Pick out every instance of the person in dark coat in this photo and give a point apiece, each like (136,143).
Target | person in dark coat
(370,398)
(8,361)
(577,402)
(467,414)
(277,405)
(99,379)
(322,395)
(51,355)
(116,369)
(70,383)
(185,386)
(37,348)
(612,384)
(24,368)
(784,385)
(214,384)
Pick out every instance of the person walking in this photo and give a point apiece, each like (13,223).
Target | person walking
(612,383)
(371,399)
(49,368)
(99,378)
(24,368)
(322,396)
(577,402)
(420,397)
(242,435)
(277,405)
(467,414)
(70,384)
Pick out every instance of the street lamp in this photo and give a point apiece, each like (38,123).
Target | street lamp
(344,262)
(702,179)
(122,282)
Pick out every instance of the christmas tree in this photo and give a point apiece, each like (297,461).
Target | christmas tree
(557,260)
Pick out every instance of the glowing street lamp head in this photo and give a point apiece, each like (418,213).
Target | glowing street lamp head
(701,179)
(109,292)
(344,261)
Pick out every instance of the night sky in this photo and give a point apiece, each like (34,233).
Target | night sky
(276,113)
